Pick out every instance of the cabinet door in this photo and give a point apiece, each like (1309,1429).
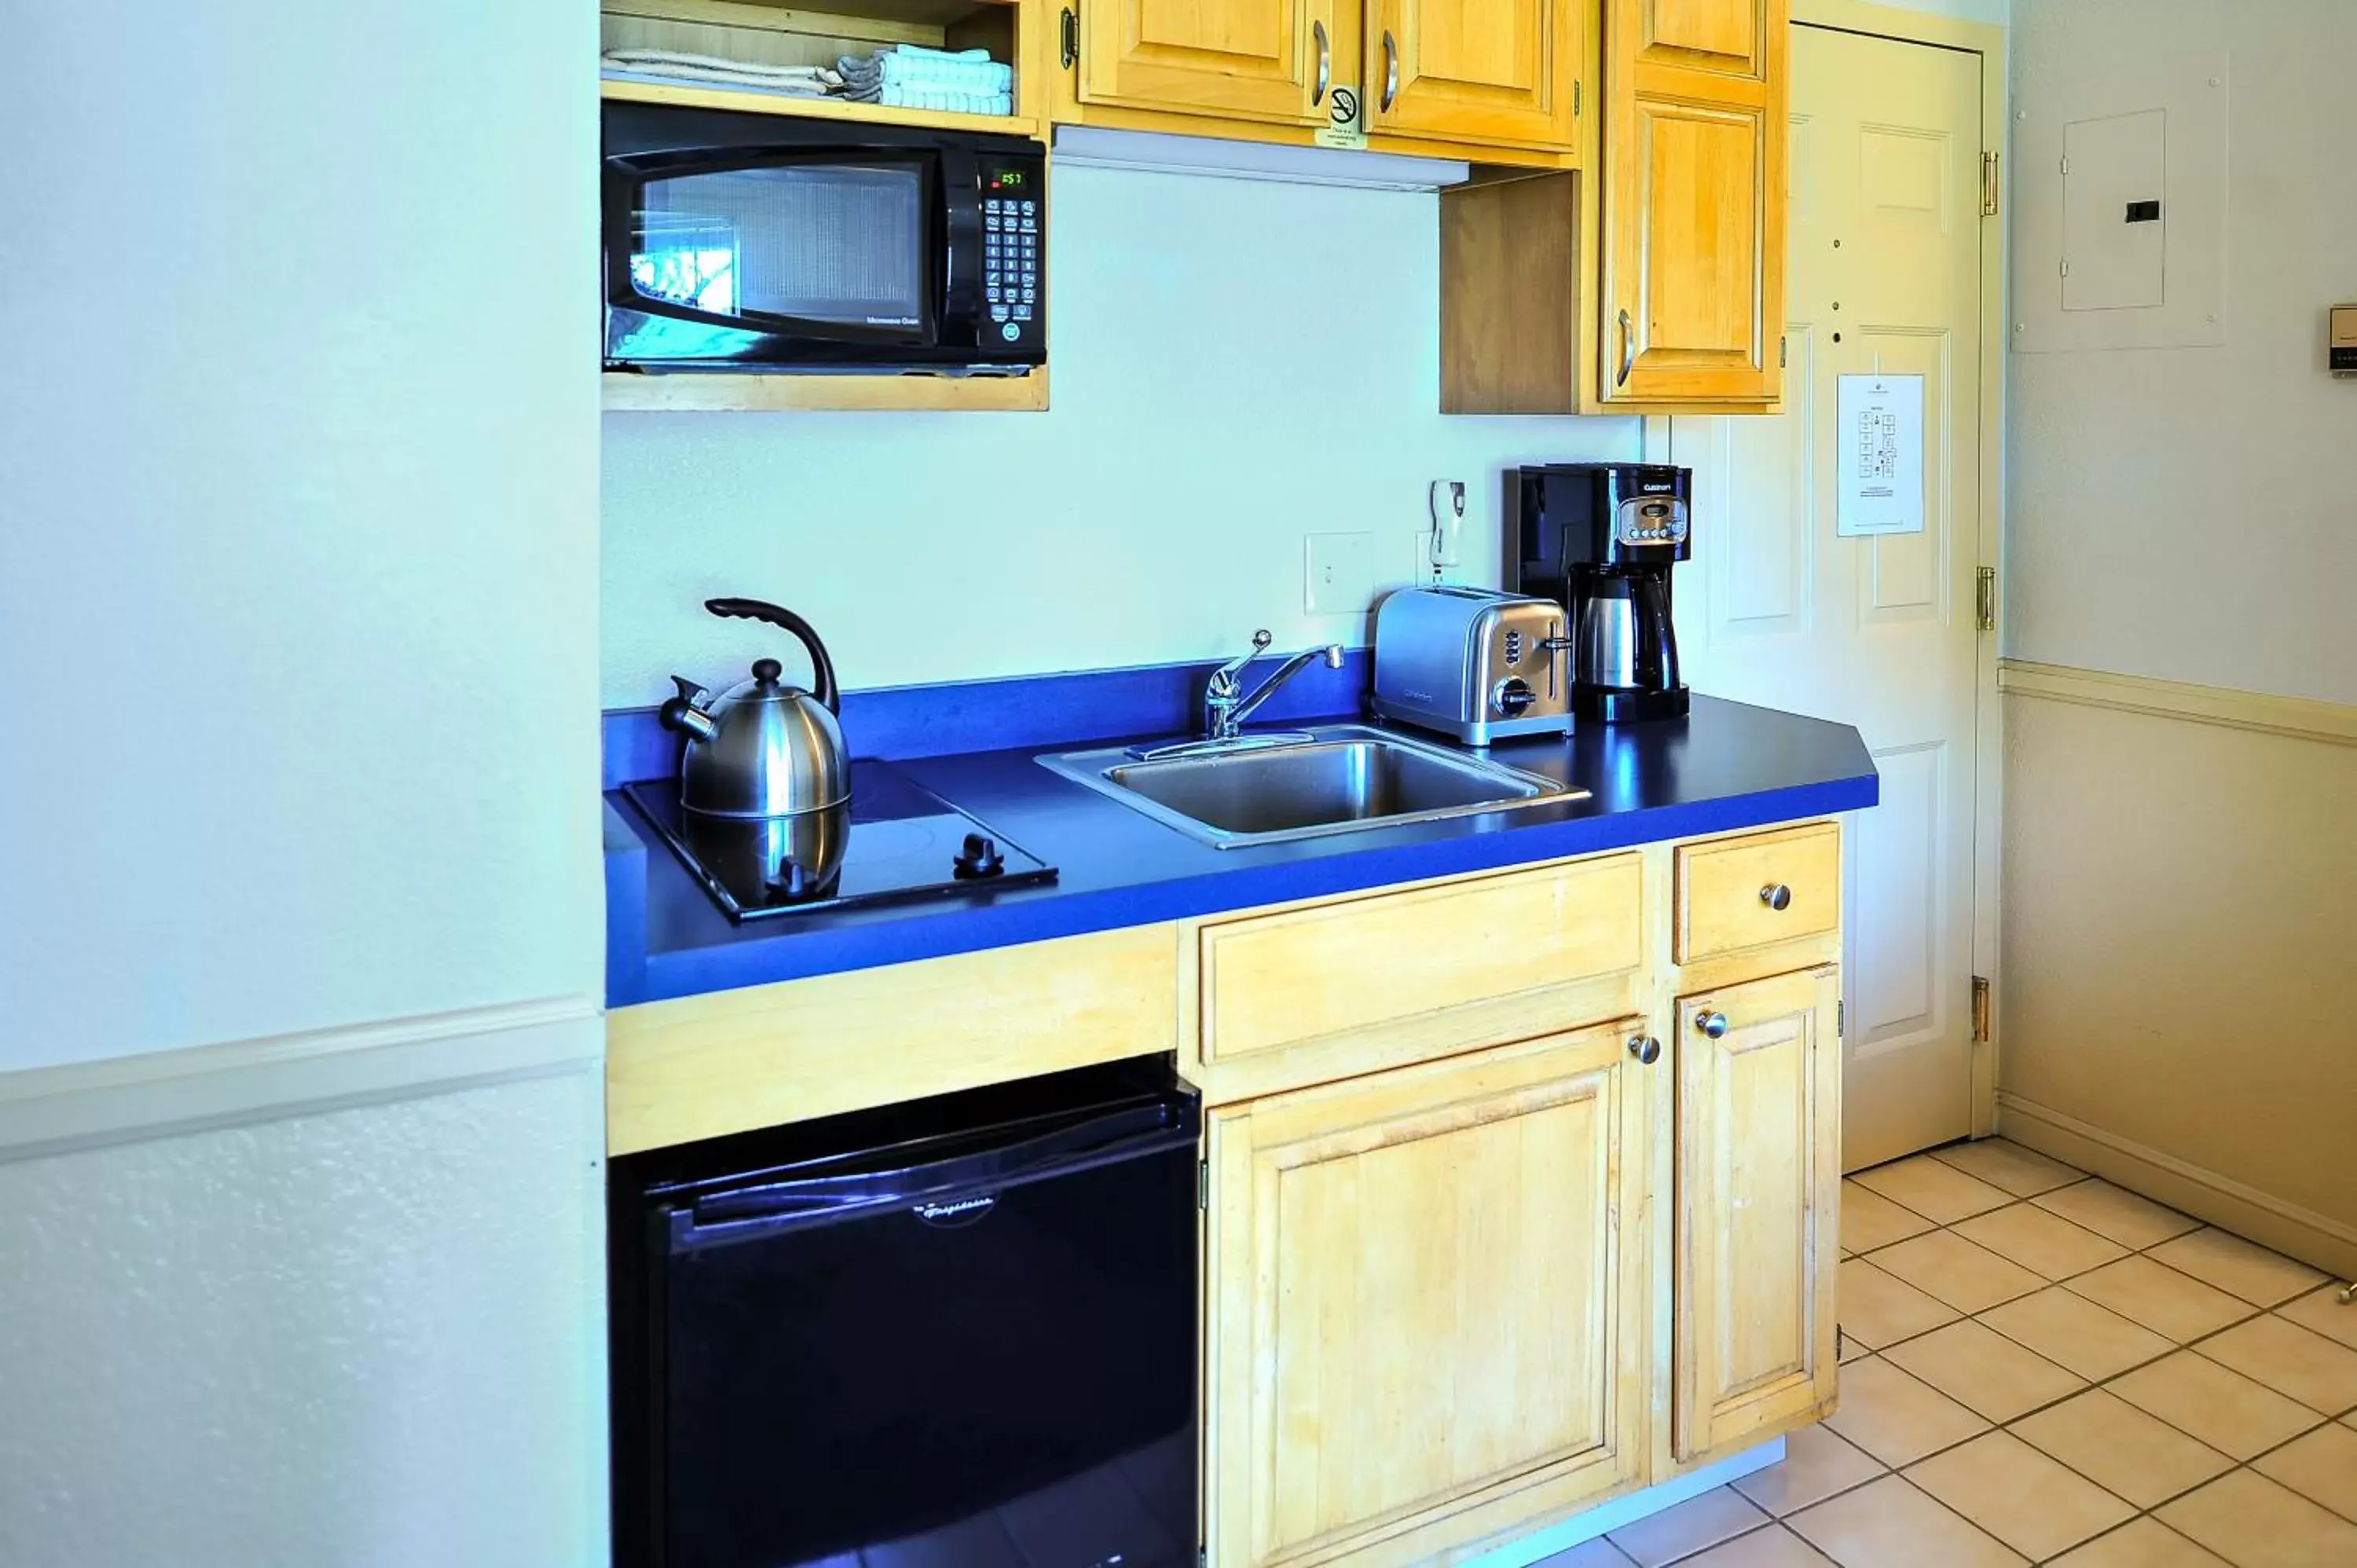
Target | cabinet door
(1694,201)
(1758,1175)
(1476,70)
(1249,59)
(1427,1302)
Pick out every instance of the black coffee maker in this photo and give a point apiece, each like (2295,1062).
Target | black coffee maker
(1599,538)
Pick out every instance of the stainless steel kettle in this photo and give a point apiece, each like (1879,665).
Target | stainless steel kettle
(762,748)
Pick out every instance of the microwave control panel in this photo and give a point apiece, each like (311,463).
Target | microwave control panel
(1013,224)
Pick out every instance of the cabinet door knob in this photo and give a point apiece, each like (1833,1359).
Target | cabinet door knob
(1628,350)
(1645,1049)
(1776,895)
(1711,1024)
(1391,70)
(1324,65)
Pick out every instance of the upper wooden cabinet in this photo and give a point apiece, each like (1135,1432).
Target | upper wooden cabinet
(1693,253)
(1653,280)
(1492,81)
(1484,70)
(1758,1184)
(1426,1300)
(1249,59)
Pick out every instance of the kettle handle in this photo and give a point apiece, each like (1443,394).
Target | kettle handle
(822,685)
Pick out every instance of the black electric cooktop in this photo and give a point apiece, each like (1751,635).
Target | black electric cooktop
(896,843)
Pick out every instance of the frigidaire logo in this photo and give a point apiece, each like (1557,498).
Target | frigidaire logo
(937,1212)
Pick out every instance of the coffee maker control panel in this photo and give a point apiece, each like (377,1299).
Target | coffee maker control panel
(1651,520)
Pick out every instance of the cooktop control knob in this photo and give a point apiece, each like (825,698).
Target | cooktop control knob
(978,858)
(1513,696)
(794,882)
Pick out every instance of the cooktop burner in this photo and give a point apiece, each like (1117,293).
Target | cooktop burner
(896,842)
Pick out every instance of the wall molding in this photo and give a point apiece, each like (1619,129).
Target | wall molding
(2300,718)
(2315,1239)
(77,1105)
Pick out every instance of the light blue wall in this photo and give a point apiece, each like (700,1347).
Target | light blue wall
(297,518)
(1236,364)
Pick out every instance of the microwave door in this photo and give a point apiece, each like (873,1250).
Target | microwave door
(782,258)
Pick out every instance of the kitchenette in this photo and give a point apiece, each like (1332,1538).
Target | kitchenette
(1367,1094)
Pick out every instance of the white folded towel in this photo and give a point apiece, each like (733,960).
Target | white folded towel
(676,65)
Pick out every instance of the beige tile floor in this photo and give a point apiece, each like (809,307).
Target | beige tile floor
(2037,1366)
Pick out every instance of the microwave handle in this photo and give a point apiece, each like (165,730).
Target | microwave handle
(962,249)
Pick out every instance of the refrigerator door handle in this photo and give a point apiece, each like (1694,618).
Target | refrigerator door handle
(837,1191)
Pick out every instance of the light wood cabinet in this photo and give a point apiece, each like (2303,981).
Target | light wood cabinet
(1250,60)
(1693,253)
(1497,81)
(1427,1302)
(1482,70)
(1759,1186)
(1654,280)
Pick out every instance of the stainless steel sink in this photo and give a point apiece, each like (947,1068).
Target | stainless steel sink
(1336,779)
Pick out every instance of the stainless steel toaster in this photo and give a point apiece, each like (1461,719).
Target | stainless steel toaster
(1473,664)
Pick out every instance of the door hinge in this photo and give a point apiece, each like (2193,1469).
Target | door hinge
(1203,1186)
(1072,36)
(1841,1019)
(1575,100)
(1988,185)
(1984,598)
(1980,1010)
(1783,352)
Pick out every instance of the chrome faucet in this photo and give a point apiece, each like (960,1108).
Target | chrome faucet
(1225,707)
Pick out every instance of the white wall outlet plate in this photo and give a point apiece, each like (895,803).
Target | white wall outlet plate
(1340,569)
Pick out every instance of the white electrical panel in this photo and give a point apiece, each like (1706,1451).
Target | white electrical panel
(2120,204)
(2114,215)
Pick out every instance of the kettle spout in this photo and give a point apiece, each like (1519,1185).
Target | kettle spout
(682,714)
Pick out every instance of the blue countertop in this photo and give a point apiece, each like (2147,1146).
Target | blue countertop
(1726,766)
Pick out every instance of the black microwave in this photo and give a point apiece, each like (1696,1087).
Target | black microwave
(763,241)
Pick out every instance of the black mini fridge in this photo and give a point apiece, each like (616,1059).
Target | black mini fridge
(958,1333)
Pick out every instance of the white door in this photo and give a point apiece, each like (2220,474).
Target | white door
(1880,633)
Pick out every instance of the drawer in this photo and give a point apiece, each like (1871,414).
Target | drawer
(1729,891)
(1311,994)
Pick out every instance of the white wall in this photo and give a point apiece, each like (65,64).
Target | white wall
(2186,513)
(297,616)
(362,1338)
(297,518)
(2174,888)
(1235,365)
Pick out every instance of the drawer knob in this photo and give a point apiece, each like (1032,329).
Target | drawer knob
(1645,1049)
(1711,1024)
(1776,895)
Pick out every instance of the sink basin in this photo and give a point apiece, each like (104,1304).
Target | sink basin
(1340,778)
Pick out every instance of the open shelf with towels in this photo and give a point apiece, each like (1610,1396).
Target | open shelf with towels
(766,40)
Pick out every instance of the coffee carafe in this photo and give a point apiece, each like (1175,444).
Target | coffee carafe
(1599,538)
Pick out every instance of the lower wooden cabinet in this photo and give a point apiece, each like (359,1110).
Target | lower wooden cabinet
(1427,1298)
(1759,1188)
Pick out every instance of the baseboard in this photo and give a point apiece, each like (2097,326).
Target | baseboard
(1622,1511)
(52,1110)
(2301,718)
(2312,1238)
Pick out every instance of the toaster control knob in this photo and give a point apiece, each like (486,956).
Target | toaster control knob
(1512,697)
